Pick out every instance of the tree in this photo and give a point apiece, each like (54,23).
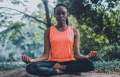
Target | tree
(98,23)
(25,34)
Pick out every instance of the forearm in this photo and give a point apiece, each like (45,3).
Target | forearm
(42,58)
(82,56)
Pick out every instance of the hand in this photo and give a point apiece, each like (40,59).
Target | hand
(92,54)
(26,58)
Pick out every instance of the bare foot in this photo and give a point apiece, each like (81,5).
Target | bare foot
(59,68)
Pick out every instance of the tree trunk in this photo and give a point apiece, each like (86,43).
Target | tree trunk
(45,2)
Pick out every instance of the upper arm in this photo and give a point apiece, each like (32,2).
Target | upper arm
(46,42)
(76,42)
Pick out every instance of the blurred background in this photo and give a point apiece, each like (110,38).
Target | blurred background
(23,22)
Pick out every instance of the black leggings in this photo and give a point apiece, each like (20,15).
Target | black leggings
(46,67)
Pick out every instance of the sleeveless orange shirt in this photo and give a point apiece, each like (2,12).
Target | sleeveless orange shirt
(61,44)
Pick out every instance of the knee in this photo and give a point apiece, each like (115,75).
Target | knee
(91,66)
(31,68)
(28,68)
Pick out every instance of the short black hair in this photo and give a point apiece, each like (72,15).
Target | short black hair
(60,5)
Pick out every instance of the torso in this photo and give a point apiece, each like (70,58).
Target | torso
(61,44)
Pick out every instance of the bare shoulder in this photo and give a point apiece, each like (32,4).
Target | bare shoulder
(46,33)
(76,31)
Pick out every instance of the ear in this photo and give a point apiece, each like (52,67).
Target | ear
(68,14)
(54,14)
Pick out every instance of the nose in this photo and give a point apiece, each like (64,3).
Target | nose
(61,15)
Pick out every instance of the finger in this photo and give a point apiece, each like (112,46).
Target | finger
(95,55)
(28,59)
(23,58)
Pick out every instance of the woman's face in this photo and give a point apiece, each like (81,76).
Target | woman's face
(61,14)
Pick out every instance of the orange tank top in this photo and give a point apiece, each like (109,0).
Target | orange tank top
(61,44)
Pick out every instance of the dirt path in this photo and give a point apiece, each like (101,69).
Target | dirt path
(21,73)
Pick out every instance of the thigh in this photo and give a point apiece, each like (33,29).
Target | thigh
(45,63)
(35,65)
(79,66)
(38,68)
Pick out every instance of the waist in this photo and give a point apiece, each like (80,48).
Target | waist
(61,60)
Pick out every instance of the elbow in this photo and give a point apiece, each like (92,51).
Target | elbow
(77,57)
(46,57)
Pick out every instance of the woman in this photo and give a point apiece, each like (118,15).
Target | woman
(61,52)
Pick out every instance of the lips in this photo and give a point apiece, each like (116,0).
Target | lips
(61,19)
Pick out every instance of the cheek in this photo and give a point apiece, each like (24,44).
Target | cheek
(66,17)
(57,17)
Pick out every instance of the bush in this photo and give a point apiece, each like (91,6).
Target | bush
(110,52)
(107,66)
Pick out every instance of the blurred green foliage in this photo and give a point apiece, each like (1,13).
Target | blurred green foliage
(99,26)
(107,66)
(97,20)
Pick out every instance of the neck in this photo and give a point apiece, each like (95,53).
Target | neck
(60,25)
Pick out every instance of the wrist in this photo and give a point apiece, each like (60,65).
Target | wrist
(32,60)
(87,56)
